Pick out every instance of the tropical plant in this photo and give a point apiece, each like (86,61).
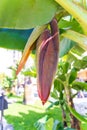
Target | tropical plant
(71,16)
(6,82)
(64,83)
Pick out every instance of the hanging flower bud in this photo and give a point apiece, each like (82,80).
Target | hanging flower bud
(47,58)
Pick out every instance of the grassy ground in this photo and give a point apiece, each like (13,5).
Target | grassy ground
(23,117)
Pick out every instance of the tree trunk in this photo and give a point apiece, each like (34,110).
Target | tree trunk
(74,121)
(64,117)
(28,94)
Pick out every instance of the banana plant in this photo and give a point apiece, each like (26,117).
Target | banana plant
(56,8)
(70,16)
(65,70)
(64,82)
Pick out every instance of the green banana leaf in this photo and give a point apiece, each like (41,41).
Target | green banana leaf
(73,75)
(65,46)
(77,115)
(76,10)
(58,85)
(80,39)
(79,62)
(57,125)
(14,39)
(55,103)
(40,124)
(70,24)
(77,50)
(75,56)
(25,14)
(63,67)
(46,123)
(54,94)
(30,72)
(79,85)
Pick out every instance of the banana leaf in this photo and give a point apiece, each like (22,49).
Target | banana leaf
(79,85)
(65,46)
(77,115)
(13,38)
(25,14)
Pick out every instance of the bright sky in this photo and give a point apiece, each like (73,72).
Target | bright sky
(6,59)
